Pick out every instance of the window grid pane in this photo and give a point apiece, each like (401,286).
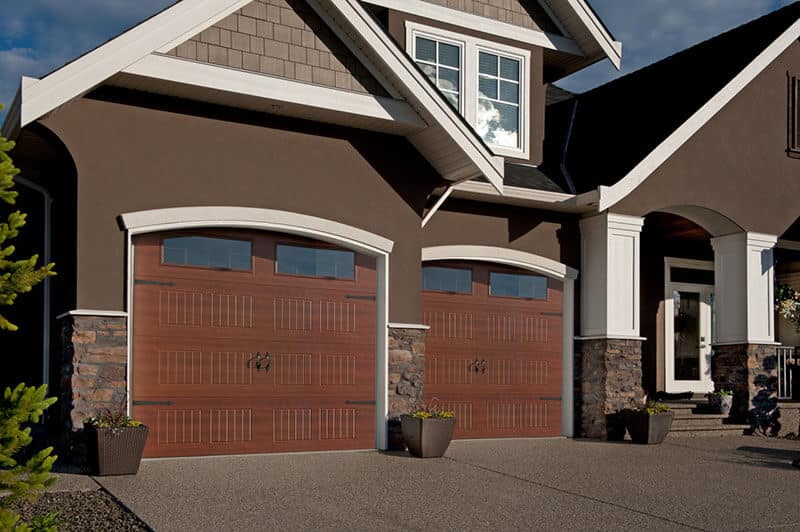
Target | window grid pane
(517,285)
(498,120)
(439,279)
(207,252)
(315,262)
(441,62)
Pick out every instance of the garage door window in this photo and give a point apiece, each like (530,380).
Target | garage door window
(206,252)
(454,280)
(316,262)
(515,285)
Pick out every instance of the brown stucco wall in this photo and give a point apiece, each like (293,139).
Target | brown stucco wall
(548,234)
(528,15)
(283,38)
(136,157)
(397,29)
(737,164)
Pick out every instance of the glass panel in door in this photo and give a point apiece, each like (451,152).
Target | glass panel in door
(687,332)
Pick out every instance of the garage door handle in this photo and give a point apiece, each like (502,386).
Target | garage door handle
(550,398)
(153,403)
(350,402)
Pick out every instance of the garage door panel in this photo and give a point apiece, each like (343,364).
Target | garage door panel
(198,379)
(201,428)
(503,378)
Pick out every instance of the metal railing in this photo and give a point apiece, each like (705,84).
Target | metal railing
(786,358)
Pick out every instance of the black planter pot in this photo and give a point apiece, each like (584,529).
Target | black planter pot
(647,429)
(427,438)
(115,451)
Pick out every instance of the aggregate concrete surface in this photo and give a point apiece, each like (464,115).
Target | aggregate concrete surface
(715,483)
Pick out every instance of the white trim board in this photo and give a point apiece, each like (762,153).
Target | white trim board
(481,24)
(536,264)
(282,221)
(162,219)
(269,90)
(610,196)
(510,257)
(93,313)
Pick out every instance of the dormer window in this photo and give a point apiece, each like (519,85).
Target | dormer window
(486,82)
(441,62)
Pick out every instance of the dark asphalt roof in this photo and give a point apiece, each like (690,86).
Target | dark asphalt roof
(617,124)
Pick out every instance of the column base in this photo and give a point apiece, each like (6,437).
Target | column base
(750,372)
(608,379)
(406,378)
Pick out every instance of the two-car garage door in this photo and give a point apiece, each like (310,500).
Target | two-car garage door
(248,342)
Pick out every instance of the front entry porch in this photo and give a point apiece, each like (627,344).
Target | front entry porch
(694,293)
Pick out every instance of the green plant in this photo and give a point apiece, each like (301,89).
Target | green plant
(652,408)
(16,276)
(115,421)
(23,404)
(432,412)
(787,303)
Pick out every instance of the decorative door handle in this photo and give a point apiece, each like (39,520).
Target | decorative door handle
(473,366)
(483,366)
(260,359)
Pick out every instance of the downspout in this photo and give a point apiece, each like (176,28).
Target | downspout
(48,202)
(563,165)
(441,200)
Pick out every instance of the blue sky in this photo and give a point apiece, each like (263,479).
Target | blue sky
(37,36)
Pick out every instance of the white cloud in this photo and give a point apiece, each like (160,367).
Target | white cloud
(653,29)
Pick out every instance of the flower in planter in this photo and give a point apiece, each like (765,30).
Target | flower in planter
(720,393)
(652,408)
(432,413)
(112,420)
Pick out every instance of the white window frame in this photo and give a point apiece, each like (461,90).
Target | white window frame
(412,47)
(471,47)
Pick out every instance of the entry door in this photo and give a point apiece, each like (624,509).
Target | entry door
(688,338)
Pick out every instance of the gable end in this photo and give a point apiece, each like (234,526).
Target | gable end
(282,38)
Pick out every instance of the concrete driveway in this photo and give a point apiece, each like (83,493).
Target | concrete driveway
(716,483)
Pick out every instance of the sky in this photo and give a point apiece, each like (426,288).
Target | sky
(37,36)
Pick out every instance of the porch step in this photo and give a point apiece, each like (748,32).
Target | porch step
(699,420)
(710,430)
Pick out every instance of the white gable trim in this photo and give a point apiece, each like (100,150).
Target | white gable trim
(395,113)
(482,24)
(427,97)
(563,10)
(86,72)
(610,196)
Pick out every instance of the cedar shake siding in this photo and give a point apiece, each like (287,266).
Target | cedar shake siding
(524,14)
(283,38)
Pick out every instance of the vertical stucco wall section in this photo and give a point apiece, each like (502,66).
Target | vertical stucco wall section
(510,11)
(283,38)
(406,377)
(608,379)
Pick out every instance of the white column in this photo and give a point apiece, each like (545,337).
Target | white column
(610,276)
(743,288)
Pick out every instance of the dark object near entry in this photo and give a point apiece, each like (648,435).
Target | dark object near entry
(427,438)
(647,428)
(115,451)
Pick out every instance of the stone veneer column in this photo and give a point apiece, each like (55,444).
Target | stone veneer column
(406,377)
(608,379)
(608,361)
(93,370)
(750,372)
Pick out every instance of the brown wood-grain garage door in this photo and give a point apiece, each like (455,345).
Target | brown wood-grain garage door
(493,351)
(209,306)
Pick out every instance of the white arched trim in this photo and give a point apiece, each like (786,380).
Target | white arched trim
(253,218)
(544,266)
(177,218)
(509,257)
